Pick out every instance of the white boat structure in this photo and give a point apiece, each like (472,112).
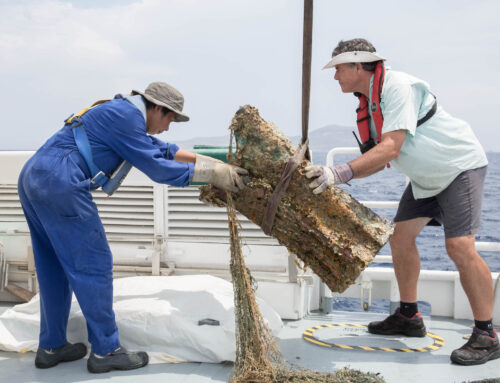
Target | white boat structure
(159,230)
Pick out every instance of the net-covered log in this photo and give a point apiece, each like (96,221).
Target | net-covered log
(332,233)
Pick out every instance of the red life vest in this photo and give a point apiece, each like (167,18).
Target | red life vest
(363,118)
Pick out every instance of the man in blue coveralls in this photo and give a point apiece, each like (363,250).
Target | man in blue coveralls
(69,243)
(400,122)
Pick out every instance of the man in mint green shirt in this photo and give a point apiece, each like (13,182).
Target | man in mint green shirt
(401,122)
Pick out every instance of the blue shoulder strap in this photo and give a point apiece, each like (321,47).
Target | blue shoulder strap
(83,145)
(108,184)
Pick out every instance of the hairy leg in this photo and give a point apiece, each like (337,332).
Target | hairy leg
(405,256)
(475,275)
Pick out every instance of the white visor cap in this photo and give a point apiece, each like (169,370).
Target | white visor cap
(354,57)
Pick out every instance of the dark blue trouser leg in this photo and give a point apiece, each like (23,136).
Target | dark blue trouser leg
(92,280)
(70,246)
(88,264)
(54,286)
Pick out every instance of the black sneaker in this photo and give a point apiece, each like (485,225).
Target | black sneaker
(120,359)
(480,348)
(397,323)
(66,353)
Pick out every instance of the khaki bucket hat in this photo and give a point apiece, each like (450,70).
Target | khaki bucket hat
(167,96)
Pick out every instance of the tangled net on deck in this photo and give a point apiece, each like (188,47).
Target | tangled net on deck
(258,359)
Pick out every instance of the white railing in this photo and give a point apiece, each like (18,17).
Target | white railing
(480,246)
(366,278)
(155,229)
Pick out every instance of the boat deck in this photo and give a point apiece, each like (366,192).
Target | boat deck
(320,342)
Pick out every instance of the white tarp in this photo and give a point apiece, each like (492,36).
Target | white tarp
(155,314)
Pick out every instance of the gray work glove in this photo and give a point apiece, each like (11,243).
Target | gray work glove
(327,176)
(219,174)
(208,158)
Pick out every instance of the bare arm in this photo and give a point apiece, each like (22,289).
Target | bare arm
(375,159)
(184,156)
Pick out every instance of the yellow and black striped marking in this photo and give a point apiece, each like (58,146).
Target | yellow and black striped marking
(309,336)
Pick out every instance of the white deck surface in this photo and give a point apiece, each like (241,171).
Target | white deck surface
(427,367)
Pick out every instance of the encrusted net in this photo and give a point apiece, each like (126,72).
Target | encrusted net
(258,358)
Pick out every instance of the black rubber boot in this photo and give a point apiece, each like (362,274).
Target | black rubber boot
(478,350)
(66,353)
(398,324)
(120,359)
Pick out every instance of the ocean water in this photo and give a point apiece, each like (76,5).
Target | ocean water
(389,184)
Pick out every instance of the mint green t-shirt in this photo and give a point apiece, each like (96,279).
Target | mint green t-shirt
(436,152)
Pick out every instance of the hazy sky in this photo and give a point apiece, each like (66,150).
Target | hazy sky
(57,57)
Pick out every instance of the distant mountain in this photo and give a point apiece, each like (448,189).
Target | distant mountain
(320,140)
(328,137)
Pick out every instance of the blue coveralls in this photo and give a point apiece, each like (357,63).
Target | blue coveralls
(69,244)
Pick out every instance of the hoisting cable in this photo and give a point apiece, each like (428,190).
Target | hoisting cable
(495,296)
(302,151)
(306,70)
